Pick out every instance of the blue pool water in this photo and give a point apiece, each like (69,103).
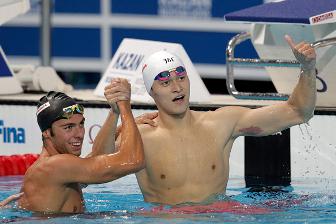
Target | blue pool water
(309,201)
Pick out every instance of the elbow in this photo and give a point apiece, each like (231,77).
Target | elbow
(302,114)
(134,163)
(134,166)
(308,116)
(104,170)
(139,159)
(305,116)
(139,162)
(139,165)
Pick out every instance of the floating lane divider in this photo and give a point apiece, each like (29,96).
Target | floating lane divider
(16,164)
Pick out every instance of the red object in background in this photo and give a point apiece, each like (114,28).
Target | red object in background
(16,164)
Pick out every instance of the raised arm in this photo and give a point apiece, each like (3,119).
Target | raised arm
(303,98)
(105,141)
(299,108)
(103,168)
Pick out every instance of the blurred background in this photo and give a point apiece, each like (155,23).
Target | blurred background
(85,34)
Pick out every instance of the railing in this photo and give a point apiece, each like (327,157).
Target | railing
(231,61)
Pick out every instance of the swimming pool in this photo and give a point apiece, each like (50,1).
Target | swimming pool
(309,200)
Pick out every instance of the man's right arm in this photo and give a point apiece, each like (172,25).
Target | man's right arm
(105,141)
(104,168)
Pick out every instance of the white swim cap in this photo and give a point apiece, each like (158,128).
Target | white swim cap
(156,63)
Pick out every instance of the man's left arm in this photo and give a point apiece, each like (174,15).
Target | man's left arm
(303,98)
(299,108)
(10,199)
(104,142)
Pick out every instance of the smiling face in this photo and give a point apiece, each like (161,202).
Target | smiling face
(171,95)
(67,135)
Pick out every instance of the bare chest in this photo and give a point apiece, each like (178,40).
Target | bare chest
(66,198)
(196,157)
(74,201)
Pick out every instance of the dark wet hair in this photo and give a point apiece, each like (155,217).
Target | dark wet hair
(50,108)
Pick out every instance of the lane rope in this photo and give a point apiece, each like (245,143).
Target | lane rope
(16,164)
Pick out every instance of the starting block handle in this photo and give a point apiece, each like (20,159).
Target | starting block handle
(231,61)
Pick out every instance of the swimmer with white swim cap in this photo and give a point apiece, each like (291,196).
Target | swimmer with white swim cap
(187,154)
(159,63)
(52,183)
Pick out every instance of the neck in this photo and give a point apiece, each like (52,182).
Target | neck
(49,149)
(175,121)
(45,152)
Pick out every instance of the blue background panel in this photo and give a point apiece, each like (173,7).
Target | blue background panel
(21,41)
(202,47)
(76,42)
(4,70)
(77,6)
(66,42)
(141,7)
(221,7)
(151,7)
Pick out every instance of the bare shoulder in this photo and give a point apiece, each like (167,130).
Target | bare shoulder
(146,129)
(221,121)
(225,113)
(53,164)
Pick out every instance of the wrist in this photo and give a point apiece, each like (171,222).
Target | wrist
(124,103)
(124,106)
(308,66)
(308,71)
(114,108)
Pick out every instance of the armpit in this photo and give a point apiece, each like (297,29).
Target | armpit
(251,130)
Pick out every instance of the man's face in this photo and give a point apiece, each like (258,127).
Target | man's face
(68,134)
(172,93)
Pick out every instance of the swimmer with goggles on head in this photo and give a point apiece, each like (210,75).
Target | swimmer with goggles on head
(71,110)
(53,183)
(166,76)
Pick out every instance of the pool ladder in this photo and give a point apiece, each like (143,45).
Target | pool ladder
(231,61)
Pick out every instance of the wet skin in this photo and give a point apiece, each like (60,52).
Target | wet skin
(187,153)
(51,184)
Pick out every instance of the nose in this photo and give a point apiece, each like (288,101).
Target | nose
(80,131)
(176,85)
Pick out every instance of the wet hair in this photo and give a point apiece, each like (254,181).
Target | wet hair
(50,108)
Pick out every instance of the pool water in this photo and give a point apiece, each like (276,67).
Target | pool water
(307,201)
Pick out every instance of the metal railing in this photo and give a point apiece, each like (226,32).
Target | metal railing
(231,61)
(45,32)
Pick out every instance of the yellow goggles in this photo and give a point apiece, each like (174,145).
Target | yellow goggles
(71,110)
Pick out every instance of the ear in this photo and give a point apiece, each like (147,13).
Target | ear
(46,133)
(151,92)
